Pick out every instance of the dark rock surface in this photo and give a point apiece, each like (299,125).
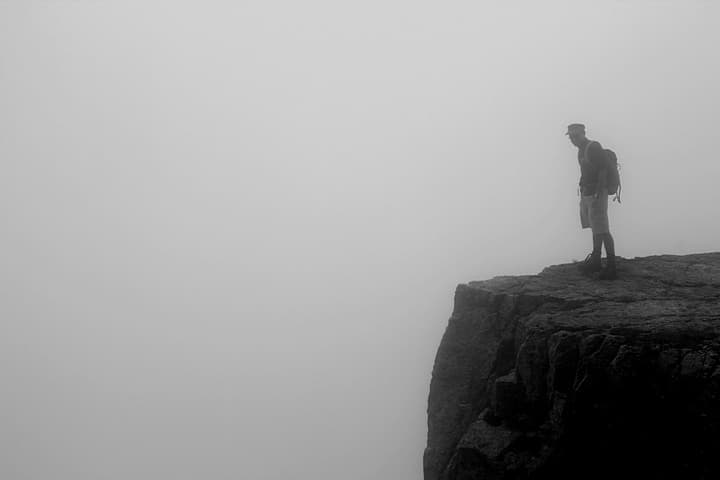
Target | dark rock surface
(559,375)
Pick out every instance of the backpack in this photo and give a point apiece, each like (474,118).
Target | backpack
(613,172)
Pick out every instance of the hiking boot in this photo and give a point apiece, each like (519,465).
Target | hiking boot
(609,272)
(591,264)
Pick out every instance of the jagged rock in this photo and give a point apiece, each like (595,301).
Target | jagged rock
(559,375)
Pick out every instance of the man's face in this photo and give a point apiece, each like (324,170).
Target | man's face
(577,138)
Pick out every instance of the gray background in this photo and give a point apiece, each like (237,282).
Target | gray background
(231,231)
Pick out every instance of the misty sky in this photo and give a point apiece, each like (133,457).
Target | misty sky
(230,232)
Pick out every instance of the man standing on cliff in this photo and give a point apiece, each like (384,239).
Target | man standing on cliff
(594,202)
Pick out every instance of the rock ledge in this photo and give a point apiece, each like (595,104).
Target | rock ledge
(558,375)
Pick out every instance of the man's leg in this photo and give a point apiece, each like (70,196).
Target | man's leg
(607,239)
(593,263)
(598,240)
(601,228)
(609,273)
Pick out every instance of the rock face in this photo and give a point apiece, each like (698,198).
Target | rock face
(559,375)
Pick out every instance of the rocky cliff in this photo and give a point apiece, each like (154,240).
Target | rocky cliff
(559,375)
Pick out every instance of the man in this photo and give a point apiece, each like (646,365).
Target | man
(594,202)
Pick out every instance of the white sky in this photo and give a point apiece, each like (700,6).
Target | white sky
(231,231)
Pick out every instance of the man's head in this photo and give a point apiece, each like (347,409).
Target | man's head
(576,132)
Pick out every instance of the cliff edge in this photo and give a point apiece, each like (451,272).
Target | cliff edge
(558,375)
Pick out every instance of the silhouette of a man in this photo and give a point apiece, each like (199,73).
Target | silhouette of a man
(594,202)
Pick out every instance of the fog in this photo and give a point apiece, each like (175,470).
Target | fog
(231,232)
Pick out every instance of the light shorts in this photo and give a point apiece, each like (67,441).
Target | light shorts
(594,213)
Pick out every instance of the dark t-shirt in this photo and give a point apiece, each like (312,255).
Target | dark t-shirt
(590,167)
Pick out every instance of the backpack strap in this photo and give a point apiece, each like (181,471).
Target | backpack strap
(587,150)
(617,194)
